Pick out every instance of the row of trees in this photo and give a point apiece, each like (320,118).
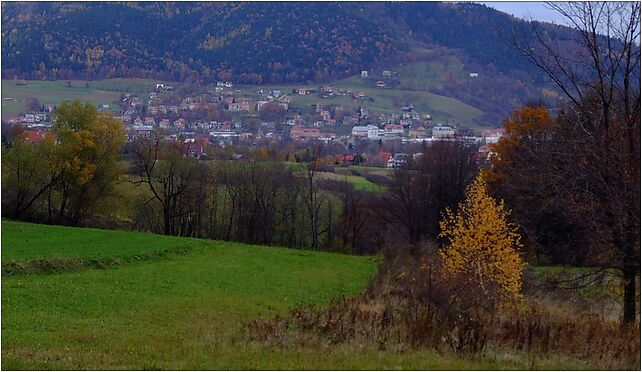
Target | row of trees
(254,202)
(266,203)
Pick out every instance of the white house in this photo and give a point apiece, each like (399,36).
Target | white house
(442,131)
(370,131)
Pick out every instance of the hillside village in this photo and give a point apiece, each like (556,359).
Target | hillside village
(224,115)
(321,186)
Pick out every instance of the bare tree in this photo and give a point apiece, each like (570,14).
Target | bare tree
(597,155)
(354,216)
(177,184)
(313,197)
(419,193)
(254,190)
(30,174)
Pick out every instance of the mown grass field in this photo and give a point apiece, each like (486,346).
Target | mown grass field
(24,241)
(183,312)
(177,313)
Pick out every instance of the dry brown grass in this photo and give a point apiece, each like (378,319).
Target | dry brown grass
(407,307)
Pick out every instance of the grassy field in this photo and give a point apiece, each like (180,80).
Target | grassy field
(184,312)
(387,100)
(375,170)
(55,92)
(177,313)
(359,182)
(416,81)
(22,241)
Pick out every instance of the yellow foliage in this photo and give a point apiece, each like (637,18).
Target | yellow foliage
(483,249)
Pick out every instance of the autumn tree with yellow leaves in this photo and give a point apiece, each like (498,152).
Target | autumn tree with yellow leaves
(482,251)
(88,149)
(70,172)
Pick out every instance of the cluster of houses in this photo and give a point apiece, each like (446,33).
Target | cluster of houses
(411,133)
(190,115)
(382,81)
(189,118)
(32,120)
(398,131)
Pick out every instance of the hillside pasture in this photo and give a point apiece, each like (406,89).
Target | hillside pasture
(98,92)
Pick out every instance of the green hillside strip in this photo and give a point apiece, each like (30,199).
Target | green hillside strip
(98,92)
(24,241)
(441,108)
(184,312)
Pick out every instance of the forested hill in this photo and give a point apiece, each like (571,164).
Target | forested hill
(245,42)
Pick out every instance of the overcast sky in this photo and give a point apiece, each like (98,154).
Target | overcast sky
(536,10)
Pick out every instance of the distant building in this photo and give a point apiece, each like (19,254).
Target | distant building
(260,104)
(360,131)
(240,106)
(398,161)
(386,73)
(393,130)
(492,135)
(141,131)
(442,131)
(298,133)
(370,132)
(417,132)
(474,75)
(363,112)
(194,148)
(359,95)
(33,136)
(364,74)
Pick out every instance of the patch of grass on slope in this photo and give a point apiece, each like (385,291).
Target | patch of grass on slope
(24,241)
(159,313)
(51,92)
(55,92)
(359,182)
